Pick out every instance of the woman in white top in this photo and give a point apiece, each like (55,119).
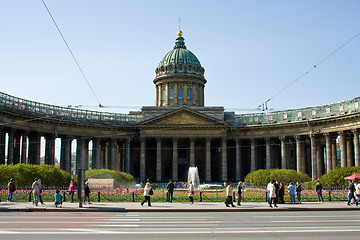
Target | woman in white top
(147,189)
(191,192)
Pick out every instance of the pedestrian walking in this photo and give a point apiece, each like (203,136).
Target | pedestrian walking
(72,188)
(191,191)
(351,189)
(291,190)
(357,192)
(147,193)
(11,189)
(41,190)
(272,194)
(281,193)
(298,192)
(229,194)
(36,186)
(239,196)
(170,191)
(58,198)
(277,188)
(318,189)
(87,192)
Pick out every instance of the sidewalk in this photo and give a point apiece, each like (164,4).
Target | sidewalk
(174,207)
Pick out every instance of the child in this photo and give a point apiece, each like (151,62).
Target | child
(58,198)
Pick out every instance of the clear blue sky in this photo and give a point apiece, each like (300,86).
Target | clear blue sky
(250,50)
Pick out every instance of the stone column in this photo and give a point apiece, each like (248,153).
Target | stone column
(319,160)
(80,153)
(24,145)
(86,145)
(65,154)
(334,161)
(95,163)
(127,162)
(142,158)
(10,153)
(349,150)
(208,159)
(299,153)
(224,158)
(356,147)
(50,149)
(268,153)
(175,159)
(158,159)
(328,152)
(343,149)
(313,157)
(2,145)
(192,152)
(17,138)
(111,154)
(283,153)
(238,160)
(253,159)
(34,148)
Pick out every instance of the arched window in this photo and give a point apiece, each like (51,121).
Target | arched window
(181,93)
(189,94)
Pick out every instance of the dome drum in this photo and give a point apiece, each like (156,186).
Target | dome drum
(180,78)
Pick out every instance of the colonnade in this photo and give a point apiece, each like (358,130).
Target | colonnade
(25,147)
(220,158)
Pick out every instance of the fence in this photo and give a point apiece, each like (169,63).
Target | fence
(249,194)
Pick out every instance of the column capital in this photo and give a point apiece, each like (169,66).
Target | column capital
(355,131)
(208,139)
(192,139)
(282,138)
(158,139)
(252,140)
(298,137)
(175,139)
(142,139)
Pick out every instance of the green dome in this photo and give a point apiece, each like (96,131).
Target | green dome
(179,61)
(180,55)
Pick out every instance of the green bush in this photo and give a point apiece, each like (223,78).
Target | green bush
(24,174)
(336,177)
(262,176)
(120,178)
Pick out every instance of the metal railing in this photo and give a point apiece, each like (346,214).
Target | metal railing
(36,109)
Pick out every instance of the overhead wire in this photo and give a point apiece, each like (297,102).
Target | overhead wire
(71,52)
(264,105)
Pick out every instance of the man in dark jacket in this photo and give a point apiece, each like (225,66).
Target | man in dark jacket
(351,189)
(170,191)
(11,190)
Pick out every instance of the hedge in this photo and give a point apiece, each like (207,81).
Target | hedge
(24,174)
(263,177)
(336,177)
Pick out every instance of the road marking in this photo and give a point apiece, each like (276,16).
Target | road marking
(322,221)
(212,231)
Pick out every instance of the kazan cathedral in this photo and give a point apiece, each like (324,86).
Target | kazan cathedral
(161,142)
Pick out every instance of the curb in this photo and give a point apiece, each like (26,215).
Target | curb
(171,210)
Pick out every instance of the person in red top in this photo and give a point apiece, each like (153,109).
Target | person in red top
(72,188)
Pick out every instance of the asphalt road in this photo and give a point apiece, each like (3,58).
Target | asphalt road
(180,225)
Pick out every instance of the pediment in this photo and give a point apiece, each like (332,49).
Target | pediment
(183,116)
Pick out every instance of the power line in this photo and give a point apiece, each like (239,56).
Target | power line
(263,106)
(72,54)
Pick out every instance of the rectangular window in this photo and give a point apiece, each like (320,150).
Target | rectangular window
(189,94)
(171,93)
(181,93)
(164,94)
(197,95)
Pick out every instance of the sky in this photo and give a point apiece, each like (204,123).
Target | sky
(250,50)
